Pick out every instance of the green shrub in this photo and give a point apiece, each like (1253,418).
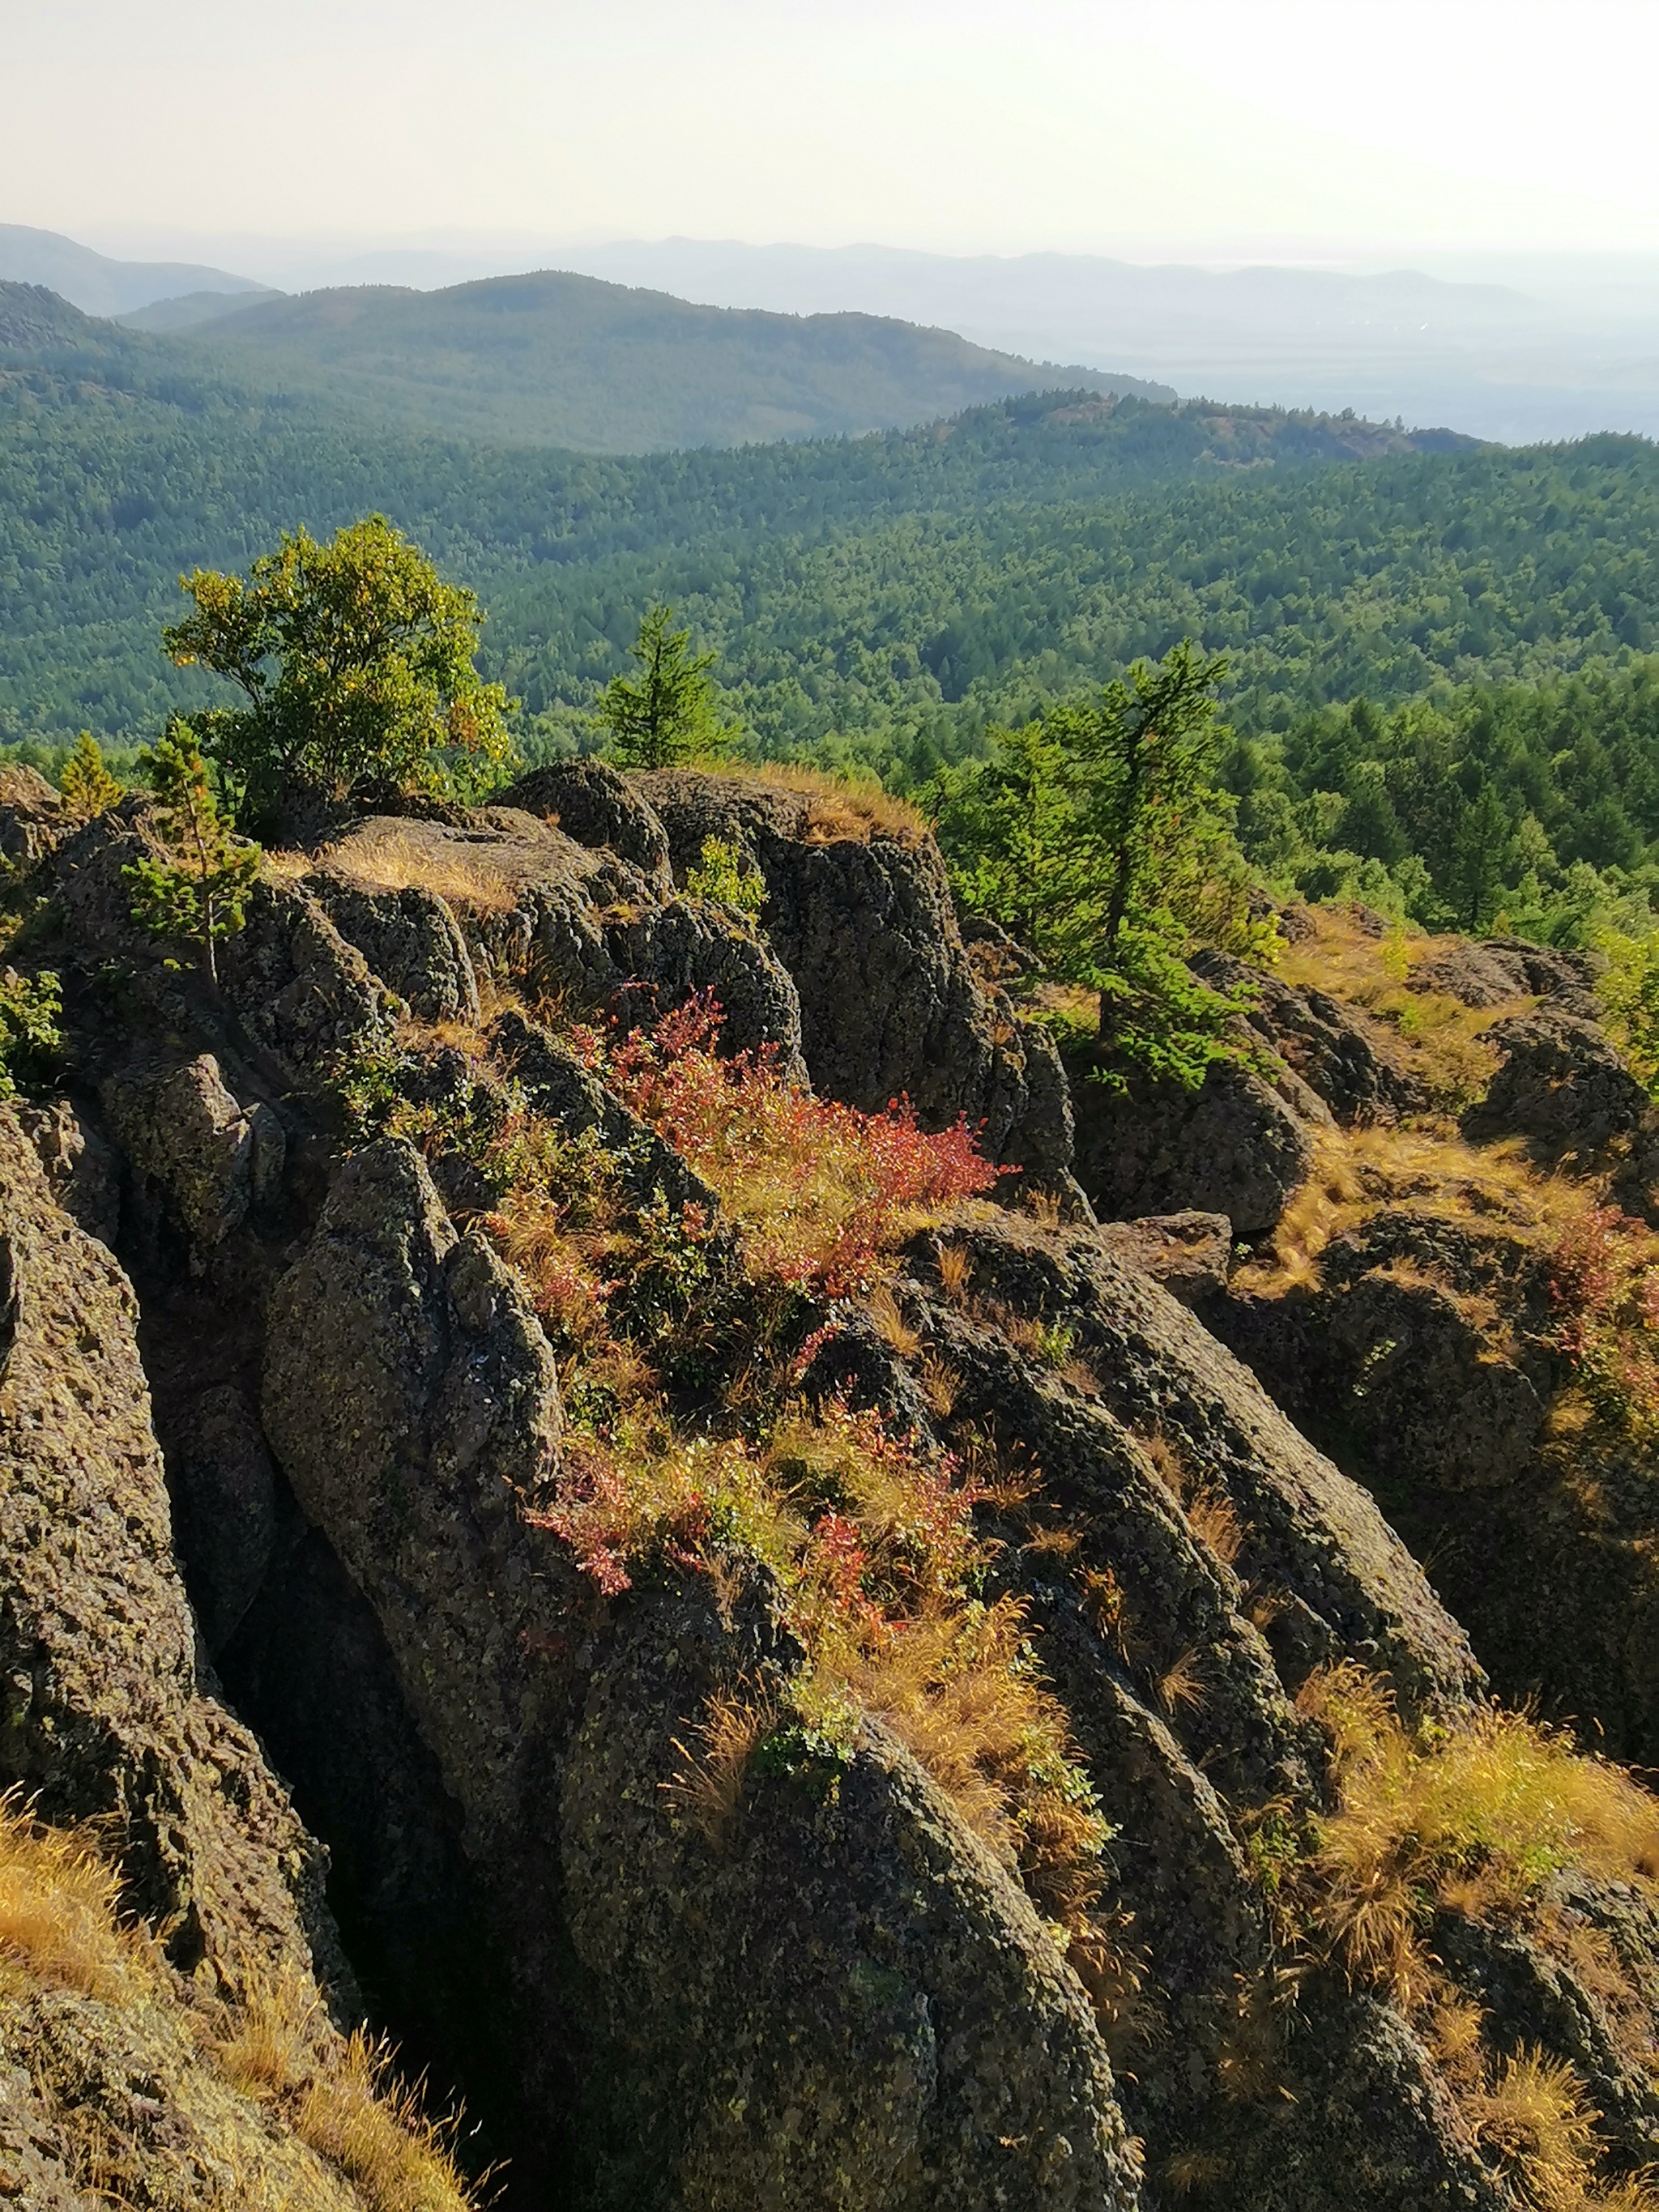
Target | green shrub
(30,1038)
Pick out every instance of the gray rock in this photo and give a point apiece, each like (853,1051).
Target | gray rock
(33,820)
(597,806)
(1232,1147)
(83,1172)
(103,1714)
(186,1138)
(863,919)
(852,1988)
(299,987)
(690,947)
(1325,1044)
(1561,1084)
(1188,1252)
(410,939)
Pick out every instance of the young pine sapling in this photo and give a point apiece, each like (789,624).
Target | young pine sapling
(200,892)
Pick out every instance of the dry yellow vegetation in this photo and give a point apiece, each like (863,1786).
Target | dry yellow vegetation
(347,2133)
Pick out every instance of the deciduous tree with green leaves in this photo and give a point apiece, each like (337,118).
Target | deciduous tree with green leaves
(1098,835)
(670,713)
(356,659)
(200,892)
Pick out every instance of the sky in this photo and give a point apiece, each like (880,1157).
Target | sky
(1317,130)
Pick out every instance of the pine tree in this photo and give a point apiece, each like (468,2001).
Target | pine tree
(668,714)
(86,786)
(201,891)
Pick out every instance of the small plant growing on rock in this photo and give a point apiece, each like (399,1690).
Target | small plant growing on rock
(821,1189)
(30,1038)
(86,786)
(201,891)
(723,877)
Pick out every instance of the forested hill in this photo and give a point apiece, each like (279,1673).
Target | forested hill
(891,594)
(120,466)
(553,359)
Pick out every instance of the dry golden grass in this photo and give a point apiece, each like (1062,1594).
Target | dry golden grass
(1433,1036)
(1191,2172)
(1476,1818)
(1181,1685)
(890,1322)
(272,2042)
(361,2117)
(59,1906)
(1361,1172)
(60,1927)
(956,1268)
(1534,2115)
(1213,1520)
(839,807)
(395,860)
(708,1790)
(959,1691)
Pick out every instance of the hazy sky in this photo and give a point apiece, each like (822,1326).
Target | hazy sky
(1262,127)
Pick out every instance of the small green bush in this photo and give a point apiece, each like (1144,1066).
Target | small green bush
(723,877)
(31,1037)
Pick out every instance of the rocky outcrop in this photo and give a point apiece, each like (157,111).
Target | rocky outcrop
(410,939)
(1232,1147)
(1333,1051)
(105,1715)
(891,1006)
(34,819)
(190,1147)
(852,1987)
(1188,1252)
(1561,1084)
(1496,971)
(600,808)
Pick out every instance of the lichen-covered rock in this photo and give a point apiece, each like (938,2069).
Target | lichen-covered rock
(300,989)
(1307,1529)
(862,918)
(1561,1084)
(687,947)
(103,1714)
(1188,1252)
(597,807)
(187,1140)
(82,1168)
(1496,971)
(34,819)
(1321,1040)
(852,2005)
(410,939)
(1232,1147)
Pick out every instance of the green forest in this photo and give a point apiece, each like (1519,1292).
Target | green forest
(1436,650)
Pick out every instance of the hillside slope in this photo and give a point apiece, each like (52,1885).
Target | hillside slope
(553,359)
(98,285)
(820,1689)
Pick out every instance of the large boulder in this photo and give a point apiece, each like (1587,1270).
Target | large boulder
(34,819)
(1328,1045)
(191,1147)
(597,807)
(1232,1147)
(410,939)
(104,1715)
(859,911)
(1561,1084)
(843,2001)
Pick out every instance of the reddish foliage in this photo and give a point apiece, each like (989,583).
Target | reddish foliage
(592,1513)
(821,1188)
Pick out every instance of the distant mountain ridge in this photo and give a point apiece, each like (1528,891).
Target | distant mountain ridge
(551,358)
(97,284)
